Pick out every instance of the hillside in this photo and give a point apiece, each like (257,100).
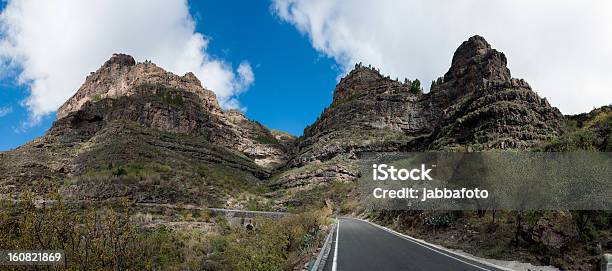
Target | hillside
(475,106)
(134,130)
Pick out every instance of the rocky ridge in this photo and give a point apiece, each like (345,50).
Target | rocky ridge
(477,105)
(134,130)
(151,96)
(119,76)
(130,119)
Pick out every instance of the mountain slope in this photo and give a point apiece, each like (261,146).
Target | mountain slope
(136,130)
(477,105)
(129,113)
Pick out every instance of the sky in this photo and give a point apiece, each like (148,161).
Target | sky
(278,61)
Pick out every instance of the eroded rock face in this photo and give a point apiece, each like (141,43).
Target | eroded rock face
(267,148)
(369,112)
(121,75)
(477,105)
(130,113)
(480,106)
(147,94)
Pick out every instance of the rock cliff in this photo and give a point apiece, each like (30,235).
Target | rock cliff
(129,119)
(476,105)
(126,113)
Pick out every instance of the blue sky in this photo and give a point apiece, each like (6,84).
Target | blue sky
(293,82)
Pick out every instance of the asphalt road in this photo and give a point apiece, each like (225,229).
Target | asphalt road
(363,246)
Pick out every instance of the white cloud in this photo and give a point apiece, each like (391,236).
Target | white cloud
(246,73)
(562,48)
(55,44)
(5,111)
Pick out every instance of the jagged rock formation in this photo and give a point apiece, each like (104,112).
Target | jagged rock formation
(151,96)
(137,117)
(128,111)
(266,147)
(477,105)
(369,112)
(480,106)
(120,75)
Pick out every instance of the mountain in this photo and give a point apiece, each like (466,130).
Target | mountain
(475,106)
(134,129)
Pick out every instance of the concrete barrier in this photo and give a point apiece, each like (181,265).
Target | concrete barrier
(321,259)
(245,218)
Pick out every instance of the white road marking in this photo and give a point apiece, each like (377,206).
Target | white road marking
(418,242)
(335,262)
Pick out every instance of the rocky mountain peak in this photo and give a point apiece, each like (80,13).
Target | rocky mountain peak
(477,106)
(474,46)
(122,76)
(146,95)
(120,60)
(475,61)
(480,105)
(190,77)
(356,81)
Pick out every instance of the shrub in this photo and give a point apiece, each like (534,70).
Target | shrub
(97,239)
(415,87)
(272,245)
(440,221)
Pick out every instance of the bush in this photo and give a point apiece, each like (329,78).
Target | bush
(97,239)
(415,87)
(272,245)
(440,221)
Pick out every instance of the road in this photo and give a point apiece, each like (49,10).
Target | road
(364,246)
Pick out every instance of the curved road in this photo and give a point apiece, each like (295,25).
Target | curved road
(365,246)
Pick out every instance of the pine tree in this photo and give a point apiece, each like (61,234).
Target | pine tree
(415,87)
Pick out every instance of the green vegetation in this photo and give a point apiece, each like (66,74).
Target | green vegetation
(128,160)
(437,82)
(415,87)
(266,139)
(589,132)
(440,220)
(99,239)
(169,95)
(272,245)
(203,184)
(96,98)
(116,237)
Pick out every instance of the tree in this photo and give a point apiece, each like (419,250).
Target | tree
(415,87)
